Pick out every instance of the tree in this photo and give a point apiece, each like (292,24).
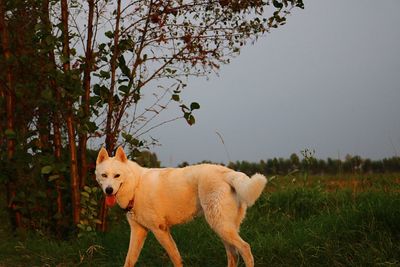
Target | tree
(7,92)
(294,161)
(156,44)
(147,159)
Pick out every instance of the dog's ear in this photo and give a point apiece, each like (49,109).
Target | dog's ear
(120,155)
(102,156)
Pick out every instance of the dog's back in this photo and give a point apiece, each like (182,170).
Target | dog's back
(177,194)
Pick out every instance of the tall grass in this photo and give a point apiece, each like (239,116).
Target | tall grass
(289,226)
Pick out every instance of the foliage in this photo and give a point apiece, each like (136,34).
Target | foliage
(147,159)
(90,199)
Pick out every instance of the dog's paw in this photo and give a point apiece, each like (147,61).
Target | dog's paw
(128,264)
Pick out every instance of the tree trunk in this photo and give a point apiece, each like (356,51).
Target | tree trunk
(70,120)
(83,136)
(110,134)
(9,95)
(57,153)
(110,131)
(73,166)
(56,118)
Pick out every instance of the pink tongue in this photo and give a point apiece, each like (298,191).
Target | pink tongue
(111,200)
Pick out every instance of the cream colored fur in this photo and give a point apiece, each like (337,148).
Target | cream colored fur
(168,196)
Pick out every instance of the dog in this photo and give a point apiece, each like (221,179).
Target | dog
(157,198)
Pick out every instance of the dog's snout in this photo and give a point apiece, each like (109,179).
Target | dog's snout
(109,190)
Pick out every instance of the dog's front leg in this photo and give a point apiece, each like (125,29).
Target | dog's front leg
(165,239)
(138,236)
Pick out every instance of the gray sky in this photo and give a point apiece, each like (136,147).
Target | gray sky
(329,80)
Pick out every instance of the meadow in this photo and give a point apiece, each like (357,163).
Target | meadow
(350,220)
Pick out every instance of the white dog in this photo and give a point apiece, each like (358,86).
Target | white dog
(156,199)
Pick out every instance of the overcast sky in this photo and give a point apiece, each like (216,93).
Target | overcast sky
(328,80)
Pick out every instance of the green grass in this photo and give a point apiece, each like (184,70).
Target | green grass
(291,225)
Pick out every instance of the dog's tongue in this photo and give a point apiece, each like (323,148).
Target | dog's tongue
(111,200)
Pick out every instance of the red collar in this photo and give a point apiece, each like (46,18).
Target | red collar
(129,207)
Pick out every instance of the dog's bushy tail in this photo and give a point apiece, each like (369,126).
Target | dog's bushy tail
(248,189)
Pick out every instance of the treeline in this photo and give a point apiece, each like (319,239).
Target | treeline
(350,165)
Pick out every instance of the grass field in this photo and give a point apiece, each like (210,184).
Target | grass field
(298,221)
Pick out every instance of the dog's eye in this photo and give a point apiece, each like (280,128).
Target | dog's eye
(104,175)
(116,176)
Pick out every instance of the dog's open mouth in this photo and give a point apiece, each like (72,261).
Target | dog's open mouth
(111,200)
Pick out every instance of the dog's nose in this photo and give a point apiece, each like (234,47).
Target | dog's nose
(109,190)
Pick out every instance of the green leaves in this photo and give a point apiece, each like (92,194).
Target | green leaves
(176,97)
(109,34)
(189,118)
(101,94)
(47,94)
(122,65)
(124,89)
(105,74)
(194,105)
(188,112)
(130,139)
(277,4)
(53,170)
(10,134)
(53,177)
(46,169)
(90,199)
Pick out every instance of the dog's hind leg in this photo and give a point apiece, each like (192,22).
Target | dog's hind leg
(138,236)
(231,237)
(165,239)
(232,255)
(224,214)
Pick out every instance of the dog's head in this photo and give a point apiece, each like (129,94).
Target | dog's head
(111,173)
